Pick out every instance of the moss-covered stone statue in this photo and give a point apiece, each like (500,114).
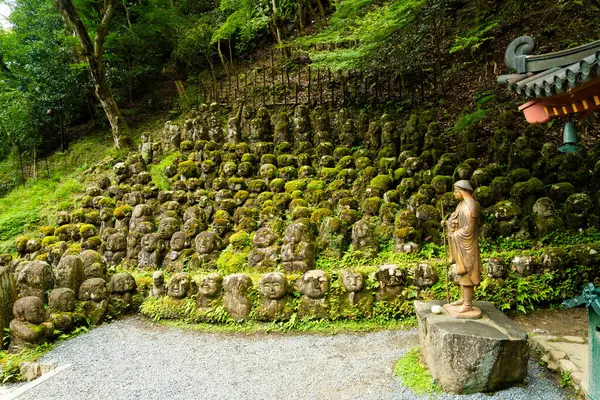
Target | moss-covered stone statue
(464,250)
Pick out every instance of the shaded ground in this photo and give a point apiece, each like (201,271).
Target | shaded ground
(569,322)
(136,359)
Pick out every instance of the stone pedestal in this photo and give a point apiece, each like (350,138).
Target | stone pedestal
(469,356)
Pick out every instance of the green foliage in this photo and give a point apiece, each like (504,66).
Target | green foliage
(364,27)
(9,362)
(157,171)
(473,39)
(414,374)
(565,379)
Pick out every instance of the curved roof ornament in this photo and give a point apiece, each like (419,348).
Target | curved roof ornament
(516,53)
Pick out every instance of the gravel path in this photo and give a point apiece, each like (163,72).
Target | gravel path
(135,359)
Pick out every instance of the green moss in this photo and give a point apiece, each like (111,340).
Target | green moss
(123,211)
(519,175)
(345,162)
(231,261)
(47,230)
(277,185)
(49,240)
(240,240)
(414,374)
(371,206)
(87,230)
(442,183)
(400,173)
(328,174)
(292,186)
(21,243)
(320,214)
(316,185)
(300,212)
(382,182)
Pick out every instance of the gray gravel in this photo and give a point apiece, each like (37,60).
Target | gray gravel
(135,359)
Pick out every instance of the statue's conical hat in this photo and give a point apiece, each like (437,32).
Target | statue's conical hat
(464,185)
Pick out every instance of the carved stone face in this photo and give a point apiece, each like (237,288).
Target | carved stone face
(178,241)
(353,281)
(314,284)
(207,167)
(150,242)
(220,227)
(390,275)
(211,285)
(207,242)
(361,230)
(158,279)
(264,237)
(191,228)
(237,283)
(93,289)
(30,309)
(167,227)
(122,283)
(458,194)
(296,233)
(273,285)
(62,299)
(425,275)
(495,268)
(179,286)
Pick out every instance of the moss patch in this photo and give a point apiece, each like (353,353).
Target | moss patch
(415,375)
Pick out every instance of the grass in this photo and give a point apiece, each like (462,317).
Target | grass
(414,374)
(9,362)
(303,326)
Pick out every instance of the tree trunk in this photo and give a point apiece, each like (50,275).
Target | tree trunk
(93,54)
(221,56)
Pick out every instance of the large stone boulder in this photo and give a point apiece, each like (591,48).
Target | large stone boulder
(470,356)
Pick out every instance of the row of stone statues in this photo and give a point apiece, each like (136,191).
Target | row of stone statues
(276,302)
(315,127)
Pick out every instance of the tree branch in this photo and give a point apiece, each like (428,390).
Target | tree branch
(67,9)
(103,29)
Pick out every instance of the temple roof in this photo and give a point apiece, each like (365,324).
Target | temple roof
(547,75)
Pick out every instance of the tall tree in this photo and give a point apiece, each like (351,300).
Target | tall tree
(93,52)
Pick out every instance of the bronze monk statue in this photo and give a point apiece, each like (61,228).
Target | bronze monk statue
(464,249)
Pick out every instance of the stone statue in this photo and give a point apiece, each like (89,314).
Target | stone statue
(94,294)
(364,241)
(122,287)
(425,275)
(158,284)
(236,299)
(69,273)
(356,295)
(61,303)
(464,249)
(209,292)
(265,251)
(35,279)
(181,285)
(208,246)
(391,282)
(152,252)
(273,287)
(28,329)
(298,250)
(314,286)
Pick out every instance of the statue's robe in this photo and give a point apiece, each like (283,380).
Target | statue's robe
(462,240)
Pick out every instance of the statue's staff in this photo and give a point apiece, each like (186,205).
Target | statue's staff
(445,253)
